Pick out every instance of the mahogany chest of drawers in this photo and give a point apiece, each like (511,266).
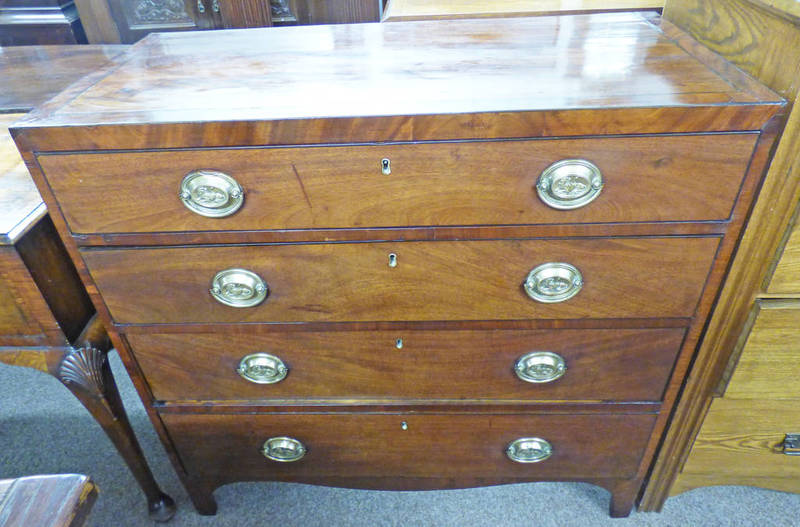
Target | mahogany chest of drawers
(407,256)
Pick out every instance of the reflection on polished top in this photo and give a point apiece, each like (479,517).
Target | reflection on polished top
(29,75)
(412,68)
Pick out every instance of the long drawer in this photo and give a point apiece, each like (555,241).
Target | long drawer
(584,364)
(413,445)
(645,179)
(406,281)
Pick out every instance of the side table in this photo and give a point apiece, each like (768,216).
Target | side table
(47,321)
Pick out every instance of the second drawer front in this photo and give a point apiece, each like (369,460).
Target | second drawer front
(605,365)
(473,280)
(374,445)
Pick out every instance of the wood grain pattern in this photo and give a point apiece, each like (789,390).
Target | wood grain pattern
(223,447)
(752,48)
(786,277)
(428,364)
(756,40)
(244,13)
(511,69)
(33,74)
(472,280)
(404,10)
(770,362)
(23,311)
(20,203)
(47,501)
(740,440)
(647,179)
(336,11)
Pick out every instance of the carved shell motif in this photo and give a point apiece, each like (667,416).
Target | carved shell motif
(84,367)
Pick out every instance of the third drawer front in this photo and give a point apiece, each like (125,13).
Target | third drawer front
(405,281)
(414,445)
(472,183)
(564,364)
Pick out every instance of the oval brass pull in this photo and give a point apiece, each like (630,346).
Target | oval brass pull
(211,193)
(540,367)
(529,450)
(553,282)
(570,184)
(283,449)
(238,288)
(262,368)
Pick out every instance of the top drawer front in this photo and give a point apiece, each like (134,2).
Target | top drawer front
(467,280)
(472,183)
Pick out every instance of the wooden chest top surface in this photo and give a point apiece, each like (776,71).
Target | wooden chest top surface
(32,74)
(367,72)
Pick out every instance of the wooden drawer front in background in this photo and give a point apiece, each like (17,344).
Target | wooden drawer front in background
(769,366)
(472,183)
(740,444)
(432,445)
(613,365)
(469,280)
(786,278)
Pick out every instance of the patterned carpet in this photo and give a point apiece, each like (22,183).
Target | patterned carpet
(44,430)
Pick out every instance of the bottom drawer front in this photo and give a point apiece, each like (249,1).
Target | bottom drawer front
(600,364)
(410,445)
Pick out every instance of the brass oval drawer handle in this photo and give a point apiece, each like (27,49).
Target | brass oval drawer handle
(569,184)
(529,450)
(283,449)
(540,367)
(238,288)
(262,368)
(553,282)
(211,193)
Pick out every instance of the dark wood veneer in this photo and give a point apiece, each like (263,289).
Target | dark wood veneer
(664,273)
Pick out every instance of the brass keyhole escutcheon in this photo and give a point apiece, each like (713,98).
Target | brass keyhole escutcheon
(392,260)
(386,166)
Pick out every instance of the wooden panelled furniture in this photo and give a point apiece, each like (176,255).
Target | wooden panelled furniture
(738,414)
(127,21)
(47,321)
(449,255)
(29,22)
(404,10)
(46,501)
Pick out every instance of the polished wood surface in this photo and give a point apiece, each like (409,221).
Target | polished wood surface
(361,445)
(20,204)
(425,364)
(499,79)
(473,280)
(46,501)
(33,74)
(740,444)
(646,179)
(511,69)
(404,10)
(757,36)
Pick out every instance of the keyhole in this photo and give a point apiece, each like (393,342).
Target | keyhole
(398,344)
(386,166)
(404,425)
(392,260)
